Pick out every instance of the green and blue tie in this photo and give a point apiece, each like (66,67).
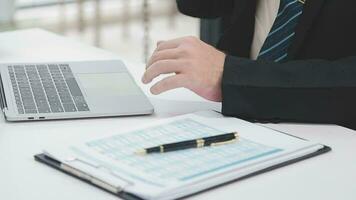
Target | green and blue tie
(282,32)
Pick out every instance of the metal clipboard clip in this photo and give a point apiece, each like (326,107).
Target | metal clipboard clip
(67,167)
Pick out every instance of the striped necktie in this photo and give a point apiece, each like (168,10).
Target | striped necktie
(275,48)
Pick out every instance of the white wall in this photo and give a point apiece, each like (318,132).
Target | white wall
(7,8)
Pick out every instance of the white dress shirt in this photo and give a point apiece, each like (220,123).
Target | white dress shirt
(266,14)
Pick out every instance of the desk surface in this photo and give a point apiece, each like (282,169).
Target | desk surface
(330,176)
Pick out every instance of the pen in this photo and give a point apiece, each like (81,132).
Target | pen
(222,139)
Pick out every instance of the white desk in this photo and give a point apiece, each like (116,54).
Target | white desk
(330,176)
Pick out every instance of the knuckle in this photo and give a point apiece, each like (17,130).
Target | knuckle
(196,77)
(188,63)
(188,39)
(160,63)
(192,38)
(182,51)
(155,66)
(158,67)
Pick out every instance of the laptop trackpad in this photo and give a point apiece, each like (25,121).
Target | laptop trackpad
(112,93)
(108,85)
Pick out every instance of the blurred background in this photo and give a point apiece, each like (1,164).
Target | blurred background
(129,28)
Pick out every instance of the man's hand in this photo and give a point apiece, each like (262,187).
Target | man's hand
(197,66)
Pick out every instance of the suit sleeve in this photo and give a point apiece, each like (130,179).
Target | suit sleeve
(205,8)
(308,91)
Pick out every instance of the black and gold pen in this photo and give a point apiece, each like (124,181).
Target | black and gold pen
(216,140)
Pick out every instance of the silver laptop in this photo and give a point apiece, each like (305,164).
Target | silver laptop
(45,91)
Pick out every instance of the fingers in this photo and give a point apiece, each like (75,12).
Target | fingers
(162,67)
(168,54)
(169,44)
(170,49)
(168,83)
(160,42)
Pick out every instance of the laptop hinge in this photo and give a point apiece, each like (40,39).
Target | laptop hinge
(3,102)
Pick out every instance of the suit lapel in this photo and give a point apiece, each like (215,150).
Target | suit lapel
(311,11)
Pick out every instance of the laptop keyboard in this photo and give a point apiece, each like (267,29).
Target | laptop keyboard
(46,89)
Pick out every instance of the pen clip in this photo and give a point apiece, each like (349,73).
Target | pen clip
(223,143)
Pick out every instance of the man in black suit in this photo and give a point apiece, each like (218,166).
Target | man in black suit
(302,70)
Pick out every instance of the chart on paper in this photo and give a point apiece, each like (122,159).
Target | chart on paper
(180,165)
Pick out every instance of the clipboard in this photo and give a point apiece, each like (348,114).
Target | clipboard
(42,158)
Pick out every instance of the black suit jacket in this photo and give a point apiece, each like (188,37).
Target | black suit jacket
(317,85)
